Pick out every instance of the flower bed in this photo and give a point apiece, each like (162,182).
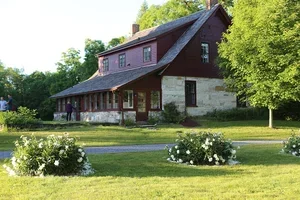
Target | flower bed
(202,148)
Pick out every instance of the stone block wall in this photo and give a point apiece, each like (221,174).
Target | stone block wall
(211,94)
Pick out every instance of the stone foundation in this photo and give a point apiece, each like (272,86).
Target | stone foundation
(210,94)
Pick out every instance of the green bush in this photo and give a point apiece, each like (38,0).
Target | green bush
(129,122)
(238,114)
(153,120)
(292,145)
(57,155)
(203,148)
(24,118)
(170,114)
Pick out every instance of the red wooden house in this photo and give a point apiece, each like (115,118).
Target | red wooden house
(173,62)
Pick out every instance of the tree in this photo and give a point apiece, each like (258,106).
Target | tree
(173,9)
(115,41)
(260,52)
(90,64)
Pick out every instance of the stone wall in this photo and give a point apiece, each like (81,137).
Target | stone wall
(105,117)
(211,94)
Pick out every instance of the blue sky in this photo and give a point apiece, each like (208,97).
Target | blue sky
(34,33)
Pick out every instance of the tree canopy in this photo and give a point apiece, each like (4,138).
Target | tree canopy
(260,52)
(173,9)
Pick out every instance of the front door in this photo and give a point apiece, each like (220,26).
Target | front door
(141,113)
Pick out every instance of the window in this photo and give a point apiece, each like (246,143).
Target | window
(204,53)
(109,100)
(102,101)
(147,54)
(105,65)
(59,105)
(98,101)
(155,100)
(86,102)
(190,93)
(63,104)
(116,100)
(122,60)
(128,99)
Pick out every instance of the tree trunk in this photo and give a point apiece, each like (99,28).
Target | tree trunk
(270,118)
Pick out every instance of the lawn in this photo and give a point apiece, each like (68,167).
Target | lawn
(263,173)
(117,135)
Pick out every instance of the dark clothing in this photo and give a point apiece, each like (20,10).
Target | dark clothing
(69,109)
(9,104)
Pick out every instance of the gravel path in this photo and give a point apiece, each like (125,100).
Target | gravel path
(143,148)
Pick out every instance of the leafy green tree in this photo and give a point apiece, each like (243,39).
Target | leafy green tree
(261,50)
(173,9)
(90,64)
(115,41)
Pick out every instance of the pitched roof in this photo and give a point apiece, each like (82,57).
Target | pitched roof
(153,32)
(115,80)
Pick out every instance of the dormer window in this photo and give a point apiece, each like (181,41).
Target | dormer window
(122,60)
(147,54)
(105,65)
(204,52)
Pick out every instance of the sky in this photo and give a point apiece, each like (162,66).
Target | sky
(34,33)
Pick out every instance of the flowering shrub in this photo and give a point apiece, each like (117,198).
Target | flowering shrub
(202,148)
(57,155)
(292,145)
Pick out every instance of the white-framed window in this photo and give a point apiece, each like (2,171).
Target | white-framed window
(155,100)
(122,60)
(108,100)
(105,65)
(204,52)
(147,54)
(128,99)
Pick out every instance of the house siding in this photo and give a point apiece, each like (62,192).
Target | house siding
(188,62)
(134,59)
(211,94)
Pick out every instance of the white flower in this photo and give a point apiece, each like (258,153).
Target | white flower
(207,141)
(203,146)
(188,152)
(61,151)
(176,147)
(217,163)
(206,147)
(80,150)
(294,153)
(178,151)
(56,163)
(210,159)
(24,157)
(67,147)
(233,151)
(42,166)
(172,156)
(79,160)
(210,143)
(180,161)
(170,150)
(294,146)
(191,162)
(191,140)
(40,145)
(82,154)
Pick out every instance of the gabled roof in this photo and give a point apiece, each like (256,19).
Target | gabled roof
(152,33)
(119,79)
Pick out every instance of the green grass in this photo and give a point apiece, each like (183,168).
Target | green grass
(116,135)
(264,173)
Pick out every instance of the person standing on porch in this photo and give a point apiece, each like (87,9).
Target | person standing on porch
(9,103)
(2,105)
(69,109)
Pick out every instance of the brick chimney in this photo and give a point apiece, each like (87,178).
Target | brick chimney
(135,28)
(210,4)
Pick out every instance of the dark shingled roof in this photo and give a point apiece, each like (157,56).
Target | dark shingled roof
(115,80)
